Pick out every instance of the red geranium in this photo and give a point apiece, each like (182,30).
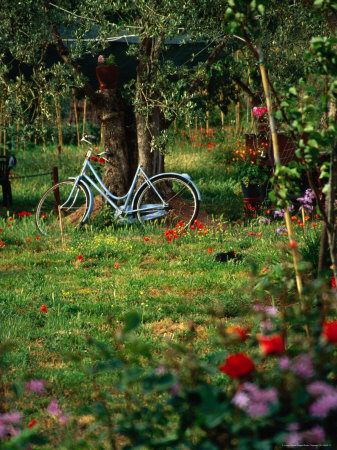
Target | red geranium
(330,331)
(271,344)
(237,365)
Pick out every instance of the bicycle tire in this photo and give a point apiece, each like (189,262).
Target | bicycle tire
(47,217)
(180,196)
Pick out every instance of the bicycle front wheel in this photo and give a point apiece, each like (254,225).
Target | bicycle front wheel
(172,200)
(62,208)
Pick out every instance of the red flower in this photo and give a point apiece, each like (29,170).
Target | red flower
(294,218)
(209,250)
(32,423)
(239,332)
(264,270)
(94,158)
(11,218)
(80,257)
(330,331)
(1,229)
(116,265)
(38,238)
(237,365)
(292,244)
(252,233)
(146,239)
(333,281)
(28,239)
(8,224)
(101,160)
(271,344)
(44,308)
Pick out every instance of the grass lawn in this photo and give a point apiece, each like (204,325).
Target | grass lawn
(169,284)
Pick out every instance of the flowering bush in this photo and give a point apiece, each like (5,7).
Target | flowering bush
(106,60)
(260,112)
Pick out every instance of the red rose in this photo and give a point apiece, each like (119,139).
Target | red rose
(330,331)
(271,344)
(237,365)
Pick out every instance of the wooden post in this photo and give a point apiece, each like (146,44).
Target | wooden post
(43,136)
(76,119)
(221,112)
(277,160)
(59,121)
(84,115)
(56,192)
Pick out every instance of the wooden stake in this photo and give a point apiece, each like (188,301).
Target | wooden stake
(84,115)
(76,119)
(43,136)
(221,112)
(59,121)
(278,161)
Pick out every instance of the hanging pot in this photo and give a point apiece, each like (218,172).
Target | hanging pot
(107,77)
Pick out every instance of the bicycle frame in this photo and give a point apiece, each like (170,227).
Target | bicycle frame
(125,209)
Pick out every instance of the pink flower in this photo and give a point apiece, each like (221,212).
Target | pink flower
(100,59)
(36,386)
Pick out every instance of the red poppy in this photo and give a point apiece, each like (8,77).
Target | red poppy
(38,238)
(330,331)
(192,227)
(292,244)
(116,265)
(32,423)
(101,160)
(11,218)
(8,224)
(264,270)
(80,257)
(1,229)
(238,332)
(333,281)
(314,224)
(252,233)
(146,239)
(209,250)
(44,308)
(237,365)
(294,218)
(271,344)
(94,158)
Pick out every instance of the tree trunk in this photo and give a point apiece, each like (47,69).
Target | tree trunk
(110,111)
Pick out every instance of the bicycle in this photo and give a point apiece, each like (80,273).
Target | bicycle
(169,198)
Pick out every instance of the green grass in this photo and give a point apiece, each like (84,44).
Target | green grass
(168,284)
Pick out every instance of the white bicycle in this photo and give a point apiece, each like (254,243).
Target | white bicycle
(169,198)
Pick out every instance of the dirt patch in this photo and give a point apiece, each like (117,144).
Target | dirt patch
(167,328)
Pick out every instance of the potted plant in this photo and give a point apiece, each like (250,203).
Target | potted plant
(251,170)
(107,72)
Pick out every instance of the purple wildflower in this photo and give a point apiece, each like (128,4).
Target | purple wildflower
(281,230)
(54,409)
(317,388)
(284,363)
(271,310)
(264,220)
(323,406)
(266,325)
(257,409)
(303,366)
(294,426)
(255,401)
(241,400)
(314,436)
(11,417)
(36,386)
(278,213)
(293,439)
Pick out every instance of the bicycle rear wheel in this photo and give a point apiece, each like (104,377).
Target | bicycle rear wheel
(62,208)
(180,203)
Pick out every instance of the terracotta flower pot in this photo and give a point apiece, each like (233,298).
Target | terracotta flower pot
(107,77)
